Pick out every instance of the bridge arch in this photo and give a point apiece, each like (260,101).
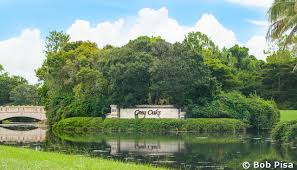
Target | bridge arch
(35,112)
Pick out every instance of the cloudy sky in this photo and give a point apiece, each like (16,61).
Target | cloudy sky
(26,23)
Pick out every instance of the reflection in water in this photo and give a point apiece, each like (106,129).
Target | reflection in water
(184,151)
(20,136)
(150,147)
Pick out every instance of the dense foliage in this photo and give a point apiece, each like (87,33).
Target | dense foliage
(82,80)
(285,132)
(16,90)
(253,110)
(82,124)
(279,82)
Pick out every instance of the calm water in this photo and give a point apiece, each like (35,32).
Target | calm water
(178,151)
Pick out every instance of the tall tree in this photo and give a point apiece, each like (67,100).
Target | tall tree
(201,44)
(283,18)
(129,77)
(56,41)
(73,82)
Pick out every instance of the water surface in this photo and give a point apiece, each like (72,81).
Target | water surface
(178,151)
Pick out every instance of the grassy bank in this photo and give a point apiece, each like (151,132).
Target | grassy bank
(22,159)
(287,115)
(81,124)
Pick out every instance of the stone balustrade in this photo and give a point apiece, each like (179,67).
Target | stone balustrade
(36,112)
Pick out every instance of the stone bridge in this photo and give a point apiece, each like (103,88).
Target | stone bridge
(35,112)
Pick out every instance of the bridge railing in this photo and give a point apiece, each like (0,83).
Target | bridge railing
(22,109)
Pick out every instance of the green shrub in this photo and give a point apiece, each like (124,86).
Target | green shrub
(6,122)
(81,124)
(257,112)
(285,132)
(143,125)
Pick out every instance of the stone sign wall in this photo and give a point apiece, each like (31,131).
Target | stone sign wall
(146,111)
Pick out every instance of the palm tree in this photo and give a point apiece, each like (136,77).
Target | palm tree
(283,18)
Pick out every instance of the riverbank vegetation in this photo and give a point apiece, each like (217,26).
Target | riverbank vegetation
(259,113)
(83,125)
(285,132)
(19,158)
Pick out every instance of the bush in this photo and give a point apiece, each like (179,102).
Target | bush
(285,132)
(257,112)
(80,124)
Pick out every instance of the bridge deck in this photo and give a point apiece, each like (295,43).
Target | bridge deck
(36,112)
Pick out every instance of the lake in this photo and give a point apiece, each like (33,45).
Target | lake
(178,151)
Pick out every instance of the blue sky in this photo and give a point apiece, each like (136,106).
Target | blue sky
(47,15)
(25,24)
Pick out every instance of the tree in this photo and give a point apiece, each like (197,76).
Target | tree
(55,41)
(129,77)
(223,73)
(90,94)
(7,84)
(201,44)
(74,84)
(284,93)
(239,53)
(283,18)
(181,78)
(24,94)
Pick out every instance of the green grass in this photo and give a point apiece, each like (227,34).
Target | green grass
(287,115)
(12,158)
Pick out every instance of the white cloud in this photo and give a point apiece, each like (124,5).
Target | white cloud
(23,54)
(103,33)
(152,22)
(259,23)
(149,22)
(253,3)
(257,45)
(210,26)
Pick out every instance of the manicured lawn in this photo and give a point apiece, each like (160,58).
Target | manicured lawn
(12,158)
(287,115)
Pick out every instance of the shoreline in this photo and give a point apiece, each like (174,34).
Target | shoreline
(12,158)
(96,124)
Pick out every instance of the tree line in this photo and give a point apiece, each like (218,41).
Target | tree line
(15,90)
(80,79)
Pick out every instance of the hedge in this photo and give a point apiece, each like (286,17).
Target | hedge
(285,132)
(80,124)
(259,113)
